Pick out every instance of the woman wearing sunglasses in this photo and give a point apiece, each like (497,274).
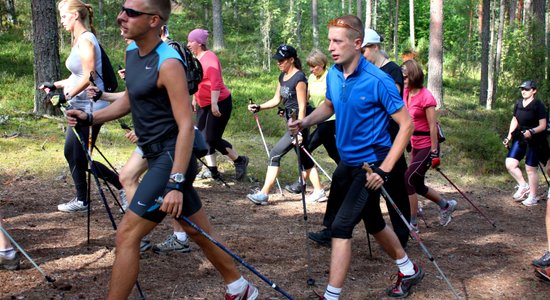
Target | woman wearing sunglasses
(84,59)
(527,138)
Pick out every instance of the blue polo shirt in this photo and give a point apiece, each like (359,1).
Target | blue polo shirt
(363,103)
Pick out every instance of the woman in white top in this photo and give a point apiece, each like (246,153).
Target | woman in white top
(84,59)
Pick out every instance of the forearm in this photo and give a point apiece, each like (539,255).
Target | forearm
(114,111)
(433,136)
(111,97)
(270,104)
(214,97)
(513,126)
(320,114)
(77,89)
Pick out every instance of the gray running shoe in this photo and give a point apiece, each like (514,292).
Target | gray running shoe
(172,244)
(543,262)
(403,287)
(10,264)
(258,198)
(445,215)
(240,168)
(204,174)
(123,200)
(144,245)
(294,188)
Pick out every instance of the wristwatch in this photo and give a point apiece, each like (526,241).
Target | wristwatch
(177,177)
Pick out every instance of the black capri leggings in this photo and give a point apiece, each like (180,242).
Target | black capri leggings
(324,135)
(284,145)
(78,163)
(212,127)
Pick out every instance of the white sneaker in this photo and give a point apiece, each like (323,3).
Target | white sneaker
(521,192)
(530,201)
(445,215)
(123,200)
(317,196)
(72,206)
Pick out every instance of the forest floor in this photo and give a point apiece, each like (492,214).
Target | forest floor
(480,261)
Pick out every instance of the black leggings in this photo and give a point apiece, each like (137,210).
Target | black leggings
(212,127)
(324,135)
(78,163)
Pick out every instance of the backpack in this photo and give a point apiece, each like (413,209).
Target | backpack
(193,68)
(108,75)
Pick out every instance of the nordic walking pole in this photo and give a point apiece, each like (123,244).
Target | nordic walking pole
(315,162)
(159,201)
(265,144)
(310,280)
(465,197)
(413,233)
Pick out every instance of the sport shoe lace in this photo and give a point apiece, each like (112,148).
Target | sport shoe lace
(172,244)
(521,192)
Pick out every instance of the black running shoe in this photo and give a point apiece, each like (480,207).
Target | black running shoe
(294,188)
(543,262)
(322,237)
(403,286)
(240,168)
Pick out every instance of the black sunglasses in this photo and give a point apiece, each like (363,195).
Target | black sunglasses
(132,13)
(526,89)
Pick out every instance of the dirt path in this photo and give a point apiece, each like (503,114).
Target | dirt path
(481,262)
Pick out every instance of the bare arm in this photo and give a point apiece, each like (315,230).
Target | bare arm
(172,77)
(273,102)
(301,94)
(320,114)
(432,123)
(87,56)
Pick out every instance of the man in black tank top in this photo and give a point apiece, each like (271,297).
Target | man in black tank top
(157,95)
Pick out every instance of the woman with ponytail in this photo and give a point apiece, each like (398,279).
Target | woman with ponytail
(83,61)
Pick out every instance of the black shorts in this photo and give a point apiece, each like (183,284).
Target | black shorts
(153,186)
(355,202)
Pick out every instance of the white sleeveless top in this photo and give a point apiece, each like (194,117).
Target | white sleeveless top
(74,64)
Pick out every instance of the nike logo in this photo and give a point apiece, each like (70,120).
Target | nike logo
(148,68)
(141,204)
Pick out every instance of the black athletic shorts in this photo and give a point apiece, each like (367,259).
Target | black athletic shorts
(153,185)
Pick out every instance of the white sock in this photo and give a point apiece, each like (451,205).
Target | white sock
(237,286)
(332,293)
(181,235)
(405,266)
(7,253)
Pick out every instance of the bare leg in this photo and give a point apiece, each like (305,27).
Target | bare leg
(533,177)
(433,195)
(270,178)
(340,259)
(389,241)
(512,165)
(548,225)
(4,241)
(413,202)
(126,266)
(130,173)
(221,260)
(232,154)
(313,176)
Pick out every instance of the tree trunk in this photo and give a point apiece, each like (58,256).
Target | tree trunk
(217,24)
(547,34)
(343,7)
(395,31)
(435,59)
(298,25)
(513,9)
(265,30)
(411,24)
(46,50)
(491,67)
(101,15)
(499,44)
(375,15)
(10,9)
(527,11)
(368,14)
(350,7)
(315,24)
(485,35)
(538,36)
(360,9)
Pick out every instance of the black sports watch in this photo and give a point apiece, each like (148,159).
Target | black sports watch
(177,177)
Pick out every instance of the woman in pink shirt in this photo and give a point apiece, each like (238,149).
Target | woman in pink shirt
(215,105)
(425,144)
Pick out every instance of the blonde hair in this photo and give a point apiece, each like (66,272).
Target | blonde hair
(85,11)
(317,58)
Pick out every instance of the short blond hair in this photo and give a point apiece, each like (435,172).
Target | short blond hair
(85,11)
(317,58)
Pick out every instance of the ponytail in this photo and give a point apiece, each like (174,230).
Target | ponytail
(90,17)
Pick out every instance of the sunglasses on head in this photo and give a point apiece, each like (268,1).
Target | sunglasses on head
(341,23)
(526,89)
(132,13)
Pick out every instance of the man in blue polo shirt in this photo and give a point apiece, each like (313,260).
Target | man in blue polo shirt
(363,99)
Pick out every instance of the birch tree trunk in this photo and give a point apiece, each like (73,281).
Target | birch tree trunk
(265,31)
(435,59)
(217,24)
(360,9)
(46,51)
(375,15)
